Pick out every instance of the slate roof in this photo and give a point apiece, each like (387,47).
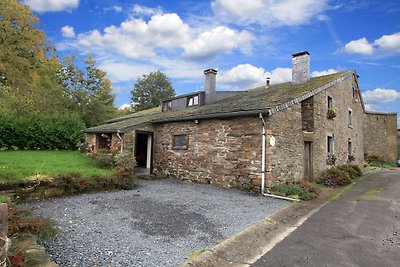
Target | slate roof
(250,102)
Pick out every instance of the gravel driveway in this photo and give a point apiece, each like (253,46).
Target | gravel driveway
(157,224)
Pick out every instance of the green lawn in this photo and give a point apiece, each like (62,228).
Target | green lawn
(17,166)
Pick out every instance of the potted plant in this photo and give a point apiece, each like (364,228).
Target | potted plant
(331,159)
(331,114)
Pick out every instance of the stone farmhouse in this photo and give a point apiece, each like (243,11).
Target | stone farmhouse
(248,139)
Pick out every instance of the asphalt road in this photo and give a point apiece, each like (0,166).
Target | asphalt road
(360,228)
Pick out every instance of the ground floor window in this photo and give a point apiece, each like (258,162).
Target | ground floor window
(180,141)
(104,141)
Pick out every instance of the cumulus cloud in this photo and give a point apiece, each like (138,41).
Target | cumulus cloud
(245,76)
(42,6)
(380,96)
(269,12)
(125,106)
(68,31)
(386,43)
(323,72)
(360,46)
(135,37)
(389,43)
(161,34)
(210,44)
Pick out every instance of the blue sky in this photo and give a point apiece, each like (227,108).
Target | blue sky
(246,41)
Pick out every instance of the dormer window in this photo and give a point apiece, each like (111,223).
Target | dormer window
(193,101)
(167,105)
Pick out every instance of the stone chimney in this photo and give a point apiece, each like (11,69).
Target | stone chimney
(300,67)
(210,76)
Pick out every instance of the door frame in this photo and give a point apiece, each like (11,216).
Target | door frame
(308,149)
(150,137)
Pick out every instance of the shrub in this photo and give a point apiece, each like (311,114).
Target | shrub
(40,131)
(21,222)
(104,158)
(334,177)
(374,159)
(292,190)
(351,169)
(125,164)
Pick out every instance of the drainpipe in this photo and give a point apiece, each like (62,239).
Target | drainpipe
(122,141)
(263,165)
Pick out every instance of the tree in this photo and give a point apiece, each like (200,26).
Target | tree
(149,90)
(27,66)
(88,91)
(22,46)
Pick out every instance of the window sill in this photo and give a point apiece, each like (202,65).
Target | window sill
(180,148)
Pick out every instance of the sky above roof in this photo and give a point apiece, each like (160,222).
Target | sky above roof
(246,41)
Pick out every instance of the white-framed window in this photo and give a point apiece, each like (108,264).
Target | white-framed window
(329,144)
(167,106)
(350,112)
(193,101)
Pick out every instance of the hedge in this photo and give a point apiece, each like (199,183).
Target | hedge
(40,131)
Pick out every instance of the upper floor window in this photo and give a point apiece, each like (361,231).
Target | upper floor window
(167,106)
(350,117)
(330,102)
(193,101)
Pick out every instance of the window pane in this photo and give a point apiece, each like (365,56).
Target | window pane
(190,102)
(196,100)
(180,140)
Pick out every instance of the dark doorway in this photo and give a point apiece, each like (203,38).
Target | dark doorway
(308,161)
(143,150)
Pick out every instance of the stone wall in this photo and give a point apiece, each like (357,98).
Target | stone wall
(380,133)
(92,141)
(338,127)
(226,152)
(285,159)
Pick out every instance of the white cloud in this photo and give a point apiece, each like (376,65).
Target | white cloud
(269,12)
(389,43)
(245,76)
(117,8)
(68,31)
(42,6)
(380,96)
(386,44)
(147,11)
(323,72)
(122,72)
(125,106)
(360,46)
(135,38)
(218,40)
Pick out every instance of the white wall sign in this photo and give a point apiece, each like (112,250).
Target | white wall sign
(272,141)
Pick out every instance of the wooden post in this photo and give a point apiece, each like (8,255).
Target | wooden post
(3,233)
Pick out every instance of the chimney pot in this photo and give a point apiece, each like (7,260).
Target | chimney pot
(300,67)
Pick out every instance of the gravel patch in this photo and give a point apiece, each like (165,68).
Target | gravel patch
(159,223)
